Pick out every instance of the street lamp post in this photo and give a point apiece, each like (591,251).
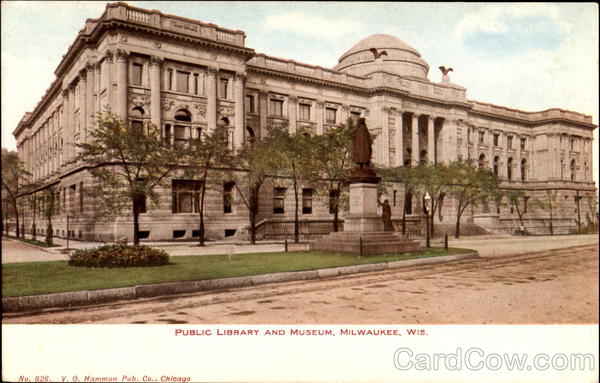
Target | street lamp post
(427,198)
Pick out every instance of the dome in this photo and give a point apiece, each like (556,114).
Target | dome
(399,58)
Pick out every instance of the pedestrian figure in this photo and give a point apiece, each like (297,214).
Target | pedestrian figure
(386,215)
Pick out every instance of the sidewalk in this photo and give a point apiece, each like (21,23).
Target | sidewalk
(485,245)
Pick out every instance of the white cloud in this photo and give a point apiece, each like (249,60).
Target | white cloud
(312,25)
(495,18)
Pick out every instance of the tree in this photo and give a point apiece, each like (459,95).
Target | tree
(332,152)
(14,180)
(432,179)
(548,202)
(518,201)
(253,163)
(469,186)
(295,156)
(204,156)
(51,198)
(127,164)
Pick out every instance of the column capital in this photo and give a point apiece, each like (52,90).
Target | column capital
(90,67)
(293,98)
(320,104)
(211,71)
(121,55)
(109,55)
(240,76)
(155,61)
(83,74)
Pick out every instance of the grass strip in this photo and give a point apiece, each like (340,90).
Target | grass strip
(31,278)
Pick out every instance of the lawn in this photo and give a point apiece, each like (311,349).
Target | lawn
(30,278)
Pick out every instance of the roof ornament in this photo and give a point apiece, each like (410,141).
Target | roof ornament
(377,54)
(445,77)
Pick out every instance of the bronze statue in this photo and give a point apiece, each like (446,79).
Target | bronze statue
(361,155)
(362,145)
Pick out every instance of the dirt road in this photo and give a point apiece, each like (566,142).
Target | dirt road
(558,286)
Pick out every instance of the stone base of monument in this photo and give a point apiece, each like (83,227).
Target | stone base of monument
(365,243)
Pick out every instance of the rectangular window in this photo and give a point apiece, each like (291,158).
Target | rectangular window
(330,115)
(223,84)
(333,201)
(196,88)
(183,79)
(81,197)
(307,198)
(167,136)
(354,116)
(496,136)
(137,127)
(279,200)
(170,79)
(72,192)
(304,112)
(509,140)
(523,141)
(481,136)
(572,144)
(276,107)
(228,197)
(136,74)
(180,137)
(250,104)
(186,195)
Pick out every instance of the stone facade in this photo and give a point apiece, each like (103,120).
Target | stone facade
(185,76)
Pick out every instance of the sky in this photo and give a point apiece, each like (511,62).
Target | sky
(529,56)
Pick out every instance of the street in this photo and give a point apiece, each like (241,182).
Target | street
(553,286)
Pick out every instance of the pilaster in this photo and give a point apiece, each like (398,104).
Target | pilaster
(211,95)
(155,108)
(238,94)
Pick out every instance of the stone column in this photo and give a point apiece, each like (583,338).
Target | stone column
(155,107)
(399,139)
(385,136)
(517,162)
(97,85)
(83,116)
(70,123)
(430,139)
(122,85)
(263,102)
(293,114)
(238,94)
(465,132)
(415,139)
(211,95)
(89,101)
(319,105)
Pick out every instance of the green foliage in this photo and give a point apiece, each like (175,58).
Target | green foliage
(204,158)
(119,255)
(127,164)
(14,182)
(470,186)
(255,162)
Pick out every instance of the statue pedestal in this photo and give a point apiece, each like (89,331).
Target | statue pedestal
(363,216)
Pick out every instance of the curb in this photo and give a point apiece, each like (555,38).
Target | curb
(86,297)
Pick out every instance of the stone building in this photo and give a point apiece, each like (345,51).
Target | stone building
(186,76)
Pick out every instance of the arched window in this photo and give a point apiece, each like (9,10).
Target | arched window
(509,164)
(183,115)
(137,124)
(251,137)
(523,169)
(496,163)
(182,128)
(573,170)
(481,161)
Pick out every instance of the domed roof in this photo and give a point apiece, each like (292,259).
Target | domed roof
(399,57)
